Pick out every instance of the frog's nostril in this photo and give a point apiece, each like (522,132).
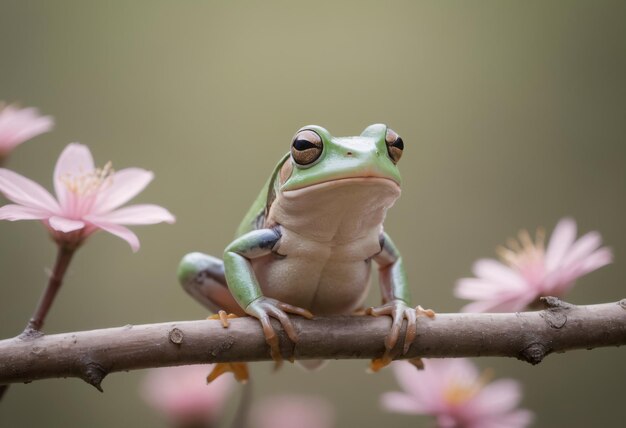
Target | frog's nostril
(349,154)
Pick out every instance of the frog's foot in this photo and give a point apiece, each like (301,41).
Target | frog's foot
(223,317)
(417,362)
(426,312)
(263,308)
(239,370)
(359,312)
(398,310)
(378,363)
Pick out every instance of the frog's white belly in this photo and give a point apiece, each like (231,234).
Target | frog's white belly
(330,232)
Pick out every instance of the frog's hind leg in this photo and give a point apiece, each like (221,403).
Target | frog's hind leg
(202,276)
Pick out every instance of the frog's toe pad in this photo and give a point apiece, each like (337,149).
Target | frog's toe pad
(417,362)
(223,317)
(426,312)
(360,312)
(239,370)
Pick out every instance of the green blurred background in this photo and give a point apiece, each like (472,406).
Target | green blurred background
(513,115)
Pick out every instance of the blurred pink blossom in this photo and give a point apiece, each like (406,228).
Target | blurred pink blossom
(18,125)
(531,271)
(289,411)
(87,199)
(182,395)
(458,396)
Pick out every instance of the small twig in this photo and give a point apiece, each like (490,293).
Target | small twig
(528,336)
(64,257)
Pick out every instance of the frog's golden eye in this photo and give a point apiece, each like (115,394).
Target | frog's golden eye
(306,147)
(395,145)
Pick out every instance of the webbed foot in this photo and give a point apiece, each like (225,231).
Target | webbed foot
(265,307)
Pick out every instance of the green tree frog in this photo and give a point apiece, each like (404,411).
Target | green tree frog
(307,243)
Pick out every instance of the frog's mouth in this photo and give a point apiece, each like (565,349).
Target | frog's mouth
(365,180)
(352,202)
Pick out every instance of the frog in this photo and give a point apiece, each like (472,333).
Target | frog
(307,243)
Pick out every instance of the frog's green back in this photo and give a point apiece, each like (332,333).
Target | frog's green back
(255,217)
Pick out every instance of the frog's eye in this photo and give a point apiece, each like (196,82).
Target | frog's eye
(395,145)
(306,147)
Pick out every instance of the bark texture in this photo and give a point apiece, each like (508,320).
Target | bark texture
(528,336)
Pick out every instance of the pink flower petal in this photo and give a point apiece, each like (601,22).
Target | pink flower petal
(74,161)
(125,185)
(418,384)
(18,212)
(479,289)
(65,224)
(24,191)
(293,411)
(33,127)
(500,396)
(582,248)
(138,214)
(119,231)
(459,370)
(560,242)
(401,403)
(497,272)
(18,125)
(183,396)
(503,303)
(517,419)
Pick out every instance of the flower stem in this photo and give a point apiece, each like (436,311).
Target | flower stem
(64,257)
(243,410)
(33,328)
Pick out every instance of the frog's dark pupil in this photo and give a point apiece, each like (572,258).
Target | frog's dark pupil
(303,145)
(399,143)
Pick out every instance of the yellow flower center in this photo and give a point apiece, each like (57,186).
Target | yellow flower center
(457,393)
(523,252)
(88,183)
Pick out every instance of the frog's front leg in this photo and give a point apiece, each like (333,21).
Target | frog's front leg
(396,297)
(245,287)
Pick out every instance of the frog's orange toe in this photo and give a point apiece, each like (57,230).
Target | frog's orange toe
(427,312)
(223,317)
(378,363)
(239,370)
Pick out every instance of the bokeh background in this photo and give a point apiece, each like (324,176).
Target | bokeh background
(513,115)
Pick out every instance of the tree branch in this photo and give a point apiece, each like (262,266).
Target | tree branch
(528,336)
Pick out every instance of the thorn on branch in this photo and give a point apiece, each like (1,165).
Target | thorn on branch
(93,373)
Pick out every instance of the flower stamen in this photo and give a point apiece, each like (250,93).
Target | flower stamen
(523,251)
(458,393)
(85,184)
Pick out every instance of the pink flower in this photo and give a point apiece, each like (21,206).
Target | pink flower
(18,125)
(530,270)
(87,199)
(182,395)
(455,393)
(288,411)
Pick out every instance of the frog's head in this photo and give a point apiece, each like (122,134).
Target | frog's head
(318,157)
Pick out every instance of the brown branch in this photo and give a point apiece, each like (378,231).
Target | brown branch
(528,336)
